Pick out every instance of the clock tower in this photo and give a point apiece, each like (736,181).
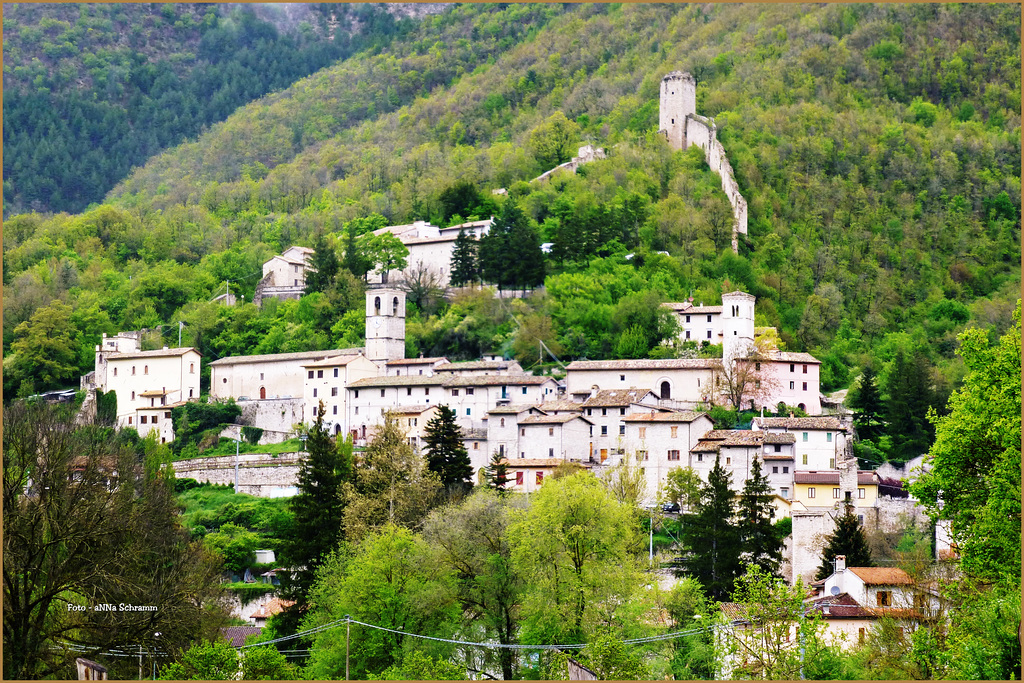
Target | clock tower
(385,323)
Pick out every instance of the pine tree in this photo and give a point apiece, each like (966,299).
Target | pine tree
(762,543)
(446,453)
(910,396)
(318,507)
(526,260)
(867,405)
(464,267)
(355,261)
(494,250)
(848,539)
(324,266)
(497,473)
(712,537)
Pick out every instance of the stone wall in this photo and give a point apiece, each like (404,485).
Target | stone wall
(702,132)
(259,474)
(809,531)
(274,416)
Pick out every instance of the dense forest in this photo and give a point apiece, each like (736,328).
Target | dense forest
(92,90)
(877,147)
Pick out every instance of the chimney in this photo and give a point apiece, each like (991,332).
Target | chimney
(840,563)
(593,390)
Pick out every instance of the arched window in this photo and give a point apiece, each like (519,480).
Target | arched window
(376,306)
(502,422)
(802,407)
(133,395)
(666,390)
(115,372)
(263,392)
(337,429)
(192,368)
(394,306)
(145,369)
(133,369)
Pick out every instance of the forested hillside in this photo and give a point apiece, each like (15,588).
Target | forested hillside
(91,90)
(877,147)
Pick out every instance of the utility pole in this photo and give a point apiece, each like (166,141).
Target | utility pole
(180,325)
(348,630)
(236,465)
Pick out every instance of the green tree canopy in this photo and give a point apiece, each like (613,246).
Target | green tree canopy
(323,265)
(465,268)
(762,543)
(846,539)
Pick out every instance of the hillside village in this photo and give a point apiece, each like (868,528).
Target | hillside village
(497,373)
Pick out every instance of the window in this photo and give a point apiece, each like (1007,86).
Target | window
(805,386)
(641,455)
(861,493)
(673,455)
(335,373)
(687,318)
(167,415)
(785,492)
(622,430)
(805,368)
(674,429)
(831,463)
(133,395)
(757,366)
(310,375)
(145,369)
(142,420)
(133,370)
(192,370)
(775,470)
(502,422)
(357,393)
(805,437)
(860,636)
(622,378)
(805,459)
(468,411)
(835,493)
(426,391)
(524,391)
(155,418)
(709,334)
(335,410)
(728,460)
(519,478)
(792,367)
(357,410)
(551,452)
(792,385)
(455,392)
(604,430)
(778,448)
(643,432)
(115,373)
(687,334)
(604,412)
(314,393)
(700,457)
(810,492)
(540,477)
(860,518)
(785,470)
(190,393)
(319,374)
(334,391)
(522,431)
(476,445)
(376,305)
(884,598)
(129,419)
(622,411)
(382,393)
(551,431)
(709,317)
(469,392)
(757,384)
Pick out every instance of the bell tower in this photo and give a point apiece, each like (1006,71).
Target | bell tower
(385,323)
(737,325)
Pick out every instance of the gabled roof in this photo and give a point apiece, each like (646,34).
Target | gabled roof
(703,446)
(397,381)
(552,419)
(472,365)
(864,477)
(647,364)
(687,308)
(882,576)
(416,361)
(279,357)
(743,438)
(512,409)
(158,353)
(561,405)
(271,607)
(615,398)
(817,422)
(237,634)
(494,380)
(334,362)
(474,434)
(681,416)
(774,437)
(792,357)
(540,462)
(414,410)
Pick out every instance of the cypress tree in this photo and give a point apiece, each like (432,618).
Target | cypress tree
(867,405)
(762,543)
(446,453)
(465,268)
(847,539)
(497,473)
(324,266)
(318,509)
(712,538)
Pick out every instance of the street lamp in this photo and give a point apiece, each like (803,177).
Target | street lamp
(302,438)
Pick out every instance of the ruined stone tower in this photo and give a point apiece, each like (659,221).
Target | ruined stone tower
(678,101)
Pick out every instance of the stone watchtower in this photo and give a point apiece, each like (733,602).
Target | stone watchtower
(678,101)
(385,323)
(737,325)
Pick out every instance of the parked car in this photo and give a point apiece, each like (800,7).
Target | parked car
(670,507)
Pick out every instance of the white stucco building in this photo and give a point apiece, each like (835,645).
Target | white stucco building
(266,376)
(430,248)
(819,442)
(284,275)
(326,381)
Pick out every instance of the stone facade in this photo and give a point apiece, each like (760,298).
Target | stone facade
(284,276)
(259,474)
